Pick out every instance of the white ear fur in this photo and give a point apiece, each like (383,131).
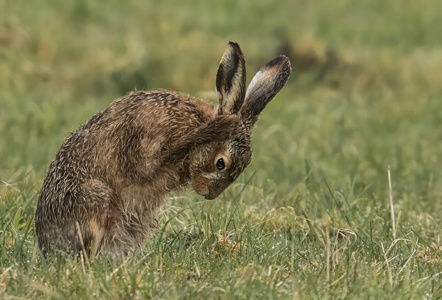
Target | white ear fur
(253,84)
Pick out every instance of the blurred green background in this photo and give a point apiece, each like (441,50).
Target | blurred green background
(365,94)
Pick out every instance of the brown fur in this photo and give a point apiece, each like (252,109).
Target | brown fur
(111,174)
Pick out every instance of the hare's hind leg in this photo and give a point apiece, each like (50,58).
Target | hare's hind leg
(98,229)
(79,222)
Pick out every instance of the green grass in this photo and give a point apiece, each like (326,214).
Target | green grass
(310,217)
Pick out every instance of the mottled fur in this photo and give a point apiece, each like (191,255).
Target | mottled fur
(110,175)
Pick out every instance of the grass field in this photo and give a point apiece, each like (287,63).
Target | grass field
(311,217)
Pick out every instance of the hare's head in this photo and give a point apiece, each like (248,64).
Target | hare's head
(224,151)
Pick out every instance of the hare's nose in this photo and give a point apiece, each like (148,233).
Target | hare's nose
(209,197)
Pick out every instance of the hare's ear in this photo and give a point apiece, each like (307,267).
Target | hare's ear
(231,80)
(264,86)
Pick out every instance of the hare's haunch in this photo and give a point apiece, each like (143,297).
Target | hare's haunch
(109,177)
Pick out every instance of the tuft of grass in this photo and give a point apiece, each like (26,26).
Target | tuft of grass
(315,215)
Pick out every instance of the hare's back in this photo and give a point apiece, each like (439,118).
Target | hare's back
(158,107)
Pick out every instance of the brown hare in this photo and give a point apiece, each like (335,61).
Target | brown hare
(110,176)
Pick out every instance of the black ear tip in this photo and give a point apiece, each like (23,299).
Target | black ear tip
(284,58)
(235,46)
(281,60)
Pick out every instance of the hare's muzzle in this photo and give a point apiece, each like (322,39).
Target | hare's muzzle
(209,197)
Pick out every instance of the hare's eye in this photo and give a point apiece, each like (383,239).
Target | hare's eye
(220,165)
